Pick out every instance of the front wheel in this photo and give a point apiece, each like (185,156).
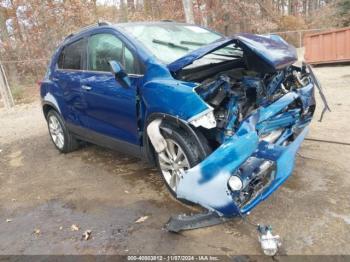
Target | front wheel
(181,154)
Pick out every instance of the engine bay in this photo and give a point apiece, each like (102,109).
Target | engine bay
(235,94)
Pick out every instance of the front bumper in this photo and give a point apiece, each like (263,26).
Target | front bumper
(207,183)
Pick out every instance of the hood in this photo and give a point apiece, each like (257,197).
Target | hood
(265,53)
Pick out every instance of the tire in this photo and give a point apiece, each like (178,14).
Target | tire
(63,140)
(190,149)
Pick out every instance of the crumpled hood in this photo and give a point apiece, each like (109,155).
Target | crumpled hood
(266,53)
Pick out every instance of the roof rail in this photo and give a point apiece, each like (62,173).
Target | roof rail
(167,20)
(99,23)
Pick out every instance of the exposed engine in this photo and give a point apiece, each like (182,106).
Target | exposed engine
(235,94)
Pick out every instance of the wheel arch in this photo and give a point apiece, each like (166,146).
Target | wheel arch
(172,120)
(47,106)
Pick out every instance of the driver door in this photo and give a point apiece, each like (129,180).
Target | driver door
(110,106)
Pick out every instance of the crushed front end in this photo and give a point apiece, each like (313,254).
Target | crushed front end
(260,125)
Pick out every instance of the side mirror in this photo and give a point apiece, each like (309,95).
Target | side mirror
(120,75)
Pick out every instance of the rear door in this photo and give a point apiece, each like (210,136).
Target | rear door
(111,107)
(67,76)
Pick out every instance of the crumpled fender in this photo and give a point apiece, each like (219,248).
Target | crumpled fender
(160,93)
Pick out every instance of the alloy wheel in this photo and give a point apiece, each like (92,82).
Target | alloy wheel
(56,131)
(173,162)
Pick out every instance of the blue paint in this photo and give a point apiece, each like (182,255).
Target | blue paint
(275,83)
(279,121)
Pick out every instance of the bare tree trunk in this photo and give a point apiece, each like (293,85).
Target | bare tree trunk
(131,5)
(312,6)
(3,28)
(188,8)
(148,7)
(203,13)
(305,7)
(95,9)
(290,7)
(138,4)
(123,11)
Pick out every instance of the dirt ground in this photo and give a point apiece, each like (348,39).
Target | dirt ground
(44,192)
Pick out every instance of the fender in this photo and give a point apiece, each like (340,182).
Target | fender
(50,101)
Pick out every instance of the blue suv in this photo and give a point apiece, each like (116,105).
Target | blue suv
(222,117)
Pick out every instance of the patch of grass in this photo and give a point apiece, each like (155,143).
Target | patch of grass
(24,93)
(17,92)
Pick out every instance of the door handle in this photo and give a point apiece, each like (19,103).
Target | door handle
(85,87)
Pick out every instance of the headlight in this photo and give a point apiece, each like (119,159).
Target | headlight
(235,183)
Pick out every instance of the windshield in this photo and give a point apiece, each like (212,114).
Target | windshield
(170,41)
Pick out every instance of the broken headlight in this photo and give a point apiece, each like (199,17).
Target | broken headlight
(256,175)
(235,183)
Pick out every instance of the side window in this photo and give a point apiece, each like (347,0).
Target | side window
(129,62)
(71,56)
(105,47)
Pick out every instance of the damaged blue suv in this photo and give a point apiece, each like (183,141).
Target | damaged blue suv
(222,117)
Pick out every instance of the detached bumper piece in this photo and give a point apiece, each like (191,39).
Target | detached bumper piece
(186,222)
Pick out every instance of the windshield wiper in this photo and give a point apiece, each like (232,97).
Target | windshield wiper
(216,53)
(170,44)
(192,43)
(227,55)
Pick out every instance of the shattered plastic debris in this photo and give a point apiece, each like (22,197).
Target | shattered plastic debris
(87,235)
(126,192)
(74,227)
(141,219)
(8,220)
(61,227)
(36,231)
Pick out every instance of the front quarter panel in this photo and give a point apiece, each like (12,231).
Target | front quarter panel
(171,97)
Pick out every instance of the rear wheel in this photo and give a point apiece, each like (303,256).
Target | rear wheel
(60,135)
(181,154)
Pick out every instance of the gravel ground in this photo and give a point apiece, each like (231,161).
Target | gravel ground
(43,193)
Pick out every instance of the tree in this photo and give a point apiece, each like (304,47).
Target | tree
(188,9)
(343,11)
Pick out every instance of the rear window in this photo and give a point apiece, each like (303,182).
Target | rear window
(71,56)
